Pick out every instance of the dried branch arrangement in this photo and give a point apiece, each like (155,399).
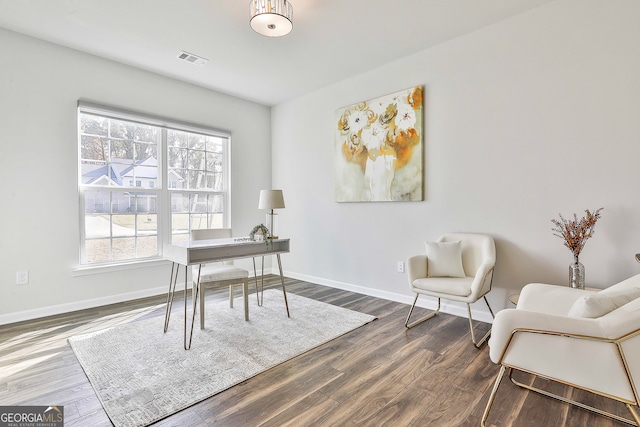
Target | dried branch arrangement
(576,232)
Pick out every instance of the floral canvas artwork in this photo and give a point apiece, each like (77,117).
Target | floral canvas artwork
(378,153)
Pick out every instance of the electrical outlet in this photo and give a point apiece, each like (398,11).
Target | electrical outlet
(22,277)
(400,267)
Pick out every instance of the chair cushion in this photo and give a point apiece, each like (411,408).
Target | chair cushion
(444,259)
(446,286)
(218,271)
(599,304)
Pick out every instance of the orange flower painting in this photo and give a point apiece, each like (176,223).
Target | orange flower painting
(379,149)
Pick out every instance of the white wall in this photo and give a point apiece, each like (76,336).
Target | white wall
(525,119)
(40,84)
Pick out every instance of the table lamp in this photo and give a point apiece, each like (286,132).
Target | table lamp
(271,199)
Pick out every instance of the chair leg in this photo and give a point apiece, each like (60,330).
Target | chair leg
(201,290)
(427,317)
(634,414)
(493,395)
(231,296)
(478,344)
(579,404)
(261,282)
(255,278)
(245,295)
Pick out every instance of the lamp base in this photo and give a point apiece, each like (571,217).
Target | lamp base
(272,224)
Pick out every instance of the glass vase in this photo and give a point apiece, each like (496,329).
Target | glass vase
(576,275)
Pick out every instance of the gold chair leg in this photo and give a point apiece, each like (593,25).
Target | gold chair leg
(492,397)
(478,344)
(579,404)
(427,317)
(634,414)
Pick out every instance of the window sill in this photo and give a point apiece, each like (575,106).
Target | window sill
(98,269)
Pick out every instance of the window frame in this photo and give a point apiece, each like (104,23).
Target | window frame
(161,188)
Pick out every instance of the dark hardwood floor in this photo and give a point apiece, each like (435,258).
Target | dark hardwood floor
(379,374)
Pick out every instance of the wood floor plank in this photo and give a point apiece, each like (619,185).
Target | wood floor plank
(360,399)
(403,410)
(303,413)
(450,408)
(379,374)
(274,400)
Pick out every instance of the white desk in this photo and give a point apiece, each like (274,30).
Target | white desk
(204,251)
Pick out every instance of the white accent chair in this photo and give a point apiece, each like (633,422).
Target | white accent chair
(222,273)
(586,339)
(473,281)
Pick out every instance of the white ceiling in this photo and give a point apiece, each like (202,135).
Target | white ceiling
(331,39)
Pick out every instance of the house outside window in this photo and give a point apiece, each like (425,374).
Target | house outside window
(144,181)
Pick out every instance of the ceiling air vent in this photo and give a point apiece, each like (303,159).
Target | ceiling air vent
(190,57)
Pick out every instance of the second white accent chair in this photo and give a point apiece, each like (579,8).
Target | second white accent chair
(585,339)
(222,273)
(457,267)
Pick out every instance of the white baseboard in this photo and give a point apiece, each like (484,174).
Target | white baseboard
(53,310)
(457,309)
(424,302)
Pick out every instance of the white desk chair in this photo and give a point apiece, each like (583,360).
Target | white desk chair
(222,273)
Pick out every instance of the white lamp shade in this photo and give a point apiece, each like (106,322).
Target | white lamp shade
(271,199)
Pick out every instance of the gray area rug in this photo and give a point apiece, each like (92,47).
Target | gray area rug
(142,375)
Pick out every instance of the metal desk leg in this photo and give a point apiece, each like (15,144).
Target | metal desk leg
(200,293)
(175,269)
(172,290)
(284,291)
(255,277)
(196,290)
(185,308)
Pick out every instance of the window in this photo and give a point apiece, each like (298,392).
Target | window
(145,180)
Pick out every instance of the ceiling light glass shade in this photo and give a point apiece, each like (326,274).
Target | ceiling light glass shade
(272,18)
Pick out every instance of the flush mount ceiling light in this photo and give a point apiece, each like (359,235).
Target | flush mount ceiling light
(272,18)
